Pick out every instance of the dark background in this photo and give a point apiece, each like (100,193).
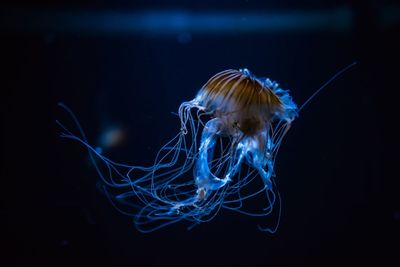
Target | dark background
(335,171)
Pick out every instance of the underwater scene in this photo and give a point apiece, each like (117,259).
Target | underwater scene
(200,133)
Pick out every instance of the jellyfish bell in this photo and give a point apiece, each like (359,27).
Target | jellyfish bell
(241,100)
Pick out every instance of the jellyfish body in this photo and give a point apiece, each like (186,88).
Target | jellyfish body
(235,120)
(243,108)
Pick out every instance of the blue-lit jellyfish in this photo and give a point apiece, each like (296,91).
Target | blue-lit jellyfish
(229,137)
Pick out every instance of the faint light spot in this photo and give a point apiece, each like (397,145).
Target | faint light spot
(112,136)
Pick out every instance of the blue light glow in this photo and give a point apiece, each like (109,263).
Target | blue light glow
(167,22)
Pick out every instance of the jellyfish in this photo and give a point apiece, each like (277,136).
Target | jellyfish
(228,139)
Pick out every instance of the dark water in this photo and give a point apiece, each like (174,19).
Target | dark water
(335,170)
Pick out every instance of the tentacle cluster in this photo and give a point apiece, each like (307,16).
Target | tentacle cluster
(211,164)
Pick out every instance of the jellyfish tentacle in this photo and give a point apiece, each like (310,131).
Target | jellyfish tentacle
(265,174)
(259,158)
(204,178)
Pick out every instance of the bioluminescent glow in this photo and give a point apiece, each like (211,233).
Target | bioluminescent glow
(222,158)
(156,23)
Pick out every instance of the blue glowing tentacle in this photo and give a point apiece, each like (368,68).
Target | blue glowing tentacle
(204,178)
(202,171)
(265,174)
(259,157)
